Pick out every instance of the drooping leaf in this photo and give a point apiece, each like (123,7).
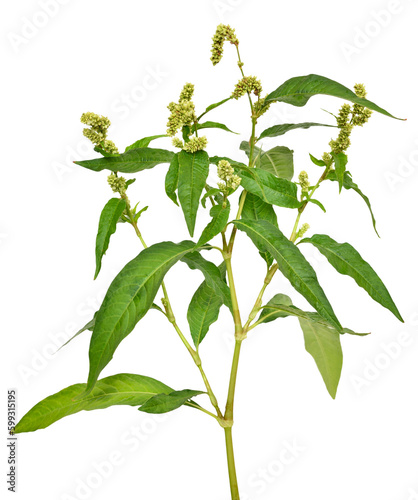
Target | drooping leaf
(128,299)
(204,308)
(163,403)
(109,217)
(291,263)
(256,209)
(172,179)
(324,345)
(349,184)
(122,389)
(273,310)
(220,215)
(346,260)
(130,162)
(214,125)
(210,192)
(144,142)
(212,275)
(318,203)
(340,162)
(193,172)
(213,106)
(281,129)
(298,90)
(278,161)
(319,163)
(271,189)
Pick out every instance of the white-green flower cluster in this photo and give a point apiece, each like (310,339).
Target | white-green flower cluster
(183,112)
(118,184)
(303,228)
(360,114)
(247,84)
(223,32)
(195,144)
(304,181)
(177,143)
(97,133)
(226,174)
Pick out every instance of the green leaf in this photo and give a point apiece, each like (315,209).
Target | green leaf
(340,161)
(103,152)
(210,192)
(256,209)
(213,106)
(214,125)
(128,299)
(144,142)
(277,130)
(291,263)
(220,215)
(130,162)
(269,188)
(319,163)
(298,90)
(163,403)
(273,310)
(212,275)
(317,202)
(109,217)
(193,172)
(349,184)
(87,326)
(277,161)
(172,179)
(346,260)
(324,345)
(122,389)
(204,308)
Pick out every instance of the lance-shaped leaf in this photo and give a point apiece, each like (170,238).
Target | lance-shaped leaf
(346,260)
(144,142)
(213,106)
(319,163)
(107,226)
(212,274)
(88,326)
(340,162)
(291,263)
(130,162)
(324,345)
(298,90)
(349,184)
(122,389)
(220,215)
(163,403)
(204,309)
(193,172)
(210,125)
(172,179)
(269,188)
(278,161)
(128,299)
(281,129)
(256,209)
(280,306)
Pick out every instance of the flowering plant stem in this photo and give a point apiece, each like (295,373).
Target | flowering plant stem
(266,184)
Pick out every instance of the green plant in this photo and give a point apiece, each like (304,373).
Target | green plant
(265,182)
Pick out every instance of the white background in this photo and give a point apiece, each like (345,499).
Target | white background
(90,56)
